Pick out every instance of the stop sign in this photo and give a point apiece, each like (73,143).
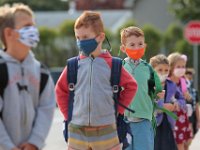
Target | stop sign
(192,32)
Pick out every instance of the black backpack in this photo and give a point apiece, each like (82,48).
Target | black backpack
(123,127)
(4,78)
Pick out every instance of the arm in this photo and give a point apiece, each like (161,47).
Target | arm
(129,89)
(44,116)
(5,141)
(62,93)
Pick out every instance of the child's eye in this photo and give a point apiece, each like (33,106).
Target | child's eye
(132,44)
(140,43)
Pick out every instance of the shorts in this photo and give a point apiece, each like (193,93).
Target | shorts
(95,138)
(143,135)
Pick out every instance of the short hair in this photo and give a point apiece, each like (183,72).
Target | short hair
(158,60)
(20,7)
(7,16)
(90,19)
(173,58)
(190,71)
(6,20)
(130,31)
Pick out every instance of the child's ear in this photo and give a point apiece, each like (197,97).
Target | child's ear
(7,32)
(123,48)
(145,45)
(101,36)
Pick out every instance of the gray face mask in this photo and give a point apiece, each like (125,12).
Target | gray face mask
(29,36)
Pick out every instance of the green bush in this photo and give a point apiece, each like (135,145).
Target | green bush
(153,40)
(173,34)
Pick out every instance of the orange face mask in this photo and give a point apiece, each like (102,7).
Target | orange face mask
(135,53)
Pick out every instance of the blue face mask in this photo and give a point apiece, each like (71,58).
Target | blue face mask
(87,46)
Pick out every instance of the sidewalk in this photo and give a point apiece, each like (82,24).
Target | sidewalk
(196,142)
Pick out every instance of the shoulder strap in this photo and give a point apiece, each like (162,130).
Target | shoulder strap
(43,78)
(116,72)
(3,76)
(115,80)
(72,70)
(151,81)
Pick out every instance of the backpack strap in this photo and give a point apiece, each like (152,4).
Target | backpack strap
(3,78)
(115,80)
(43,77)
(72,69)
(151,82)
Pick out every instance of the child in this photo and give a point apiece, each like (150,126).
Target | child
(164,139)
(93,124)
(26,114)
(182,132)
(133,44)
(195,116)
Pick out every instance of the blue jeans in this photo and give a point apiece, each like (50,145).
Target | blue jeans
(143,136)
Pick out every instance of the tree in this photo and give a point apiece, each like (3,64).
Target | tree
(185,10)
(153,39)
(42,5)
(67,40)
(173,34)
(46,49)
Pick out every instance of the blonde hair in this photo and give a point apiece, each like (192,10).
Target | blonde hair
(173,58)
(7,17)
(90,19)
(130,31)
(159,59)
(20,7)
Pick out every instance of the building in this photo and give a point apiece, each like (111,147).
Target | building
(99,4)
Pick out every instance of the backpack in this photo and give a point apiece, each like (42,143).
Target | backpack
(4,78)
(123,127)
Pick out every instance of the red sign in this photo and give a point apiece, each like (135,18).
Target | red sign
(192,32)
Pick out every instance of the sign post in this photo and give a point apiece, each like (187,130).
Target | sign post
(192,35)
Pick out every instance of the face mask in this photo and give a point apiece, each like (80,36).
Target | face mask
(29,36)
(163,77)
(135,53)
(87,46)
(179,72)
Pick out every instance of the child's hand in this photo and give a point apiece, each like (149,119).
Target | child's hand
(176,107)
(15,148)
(28,146)
(161,95)
(169,106)
(187,96)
